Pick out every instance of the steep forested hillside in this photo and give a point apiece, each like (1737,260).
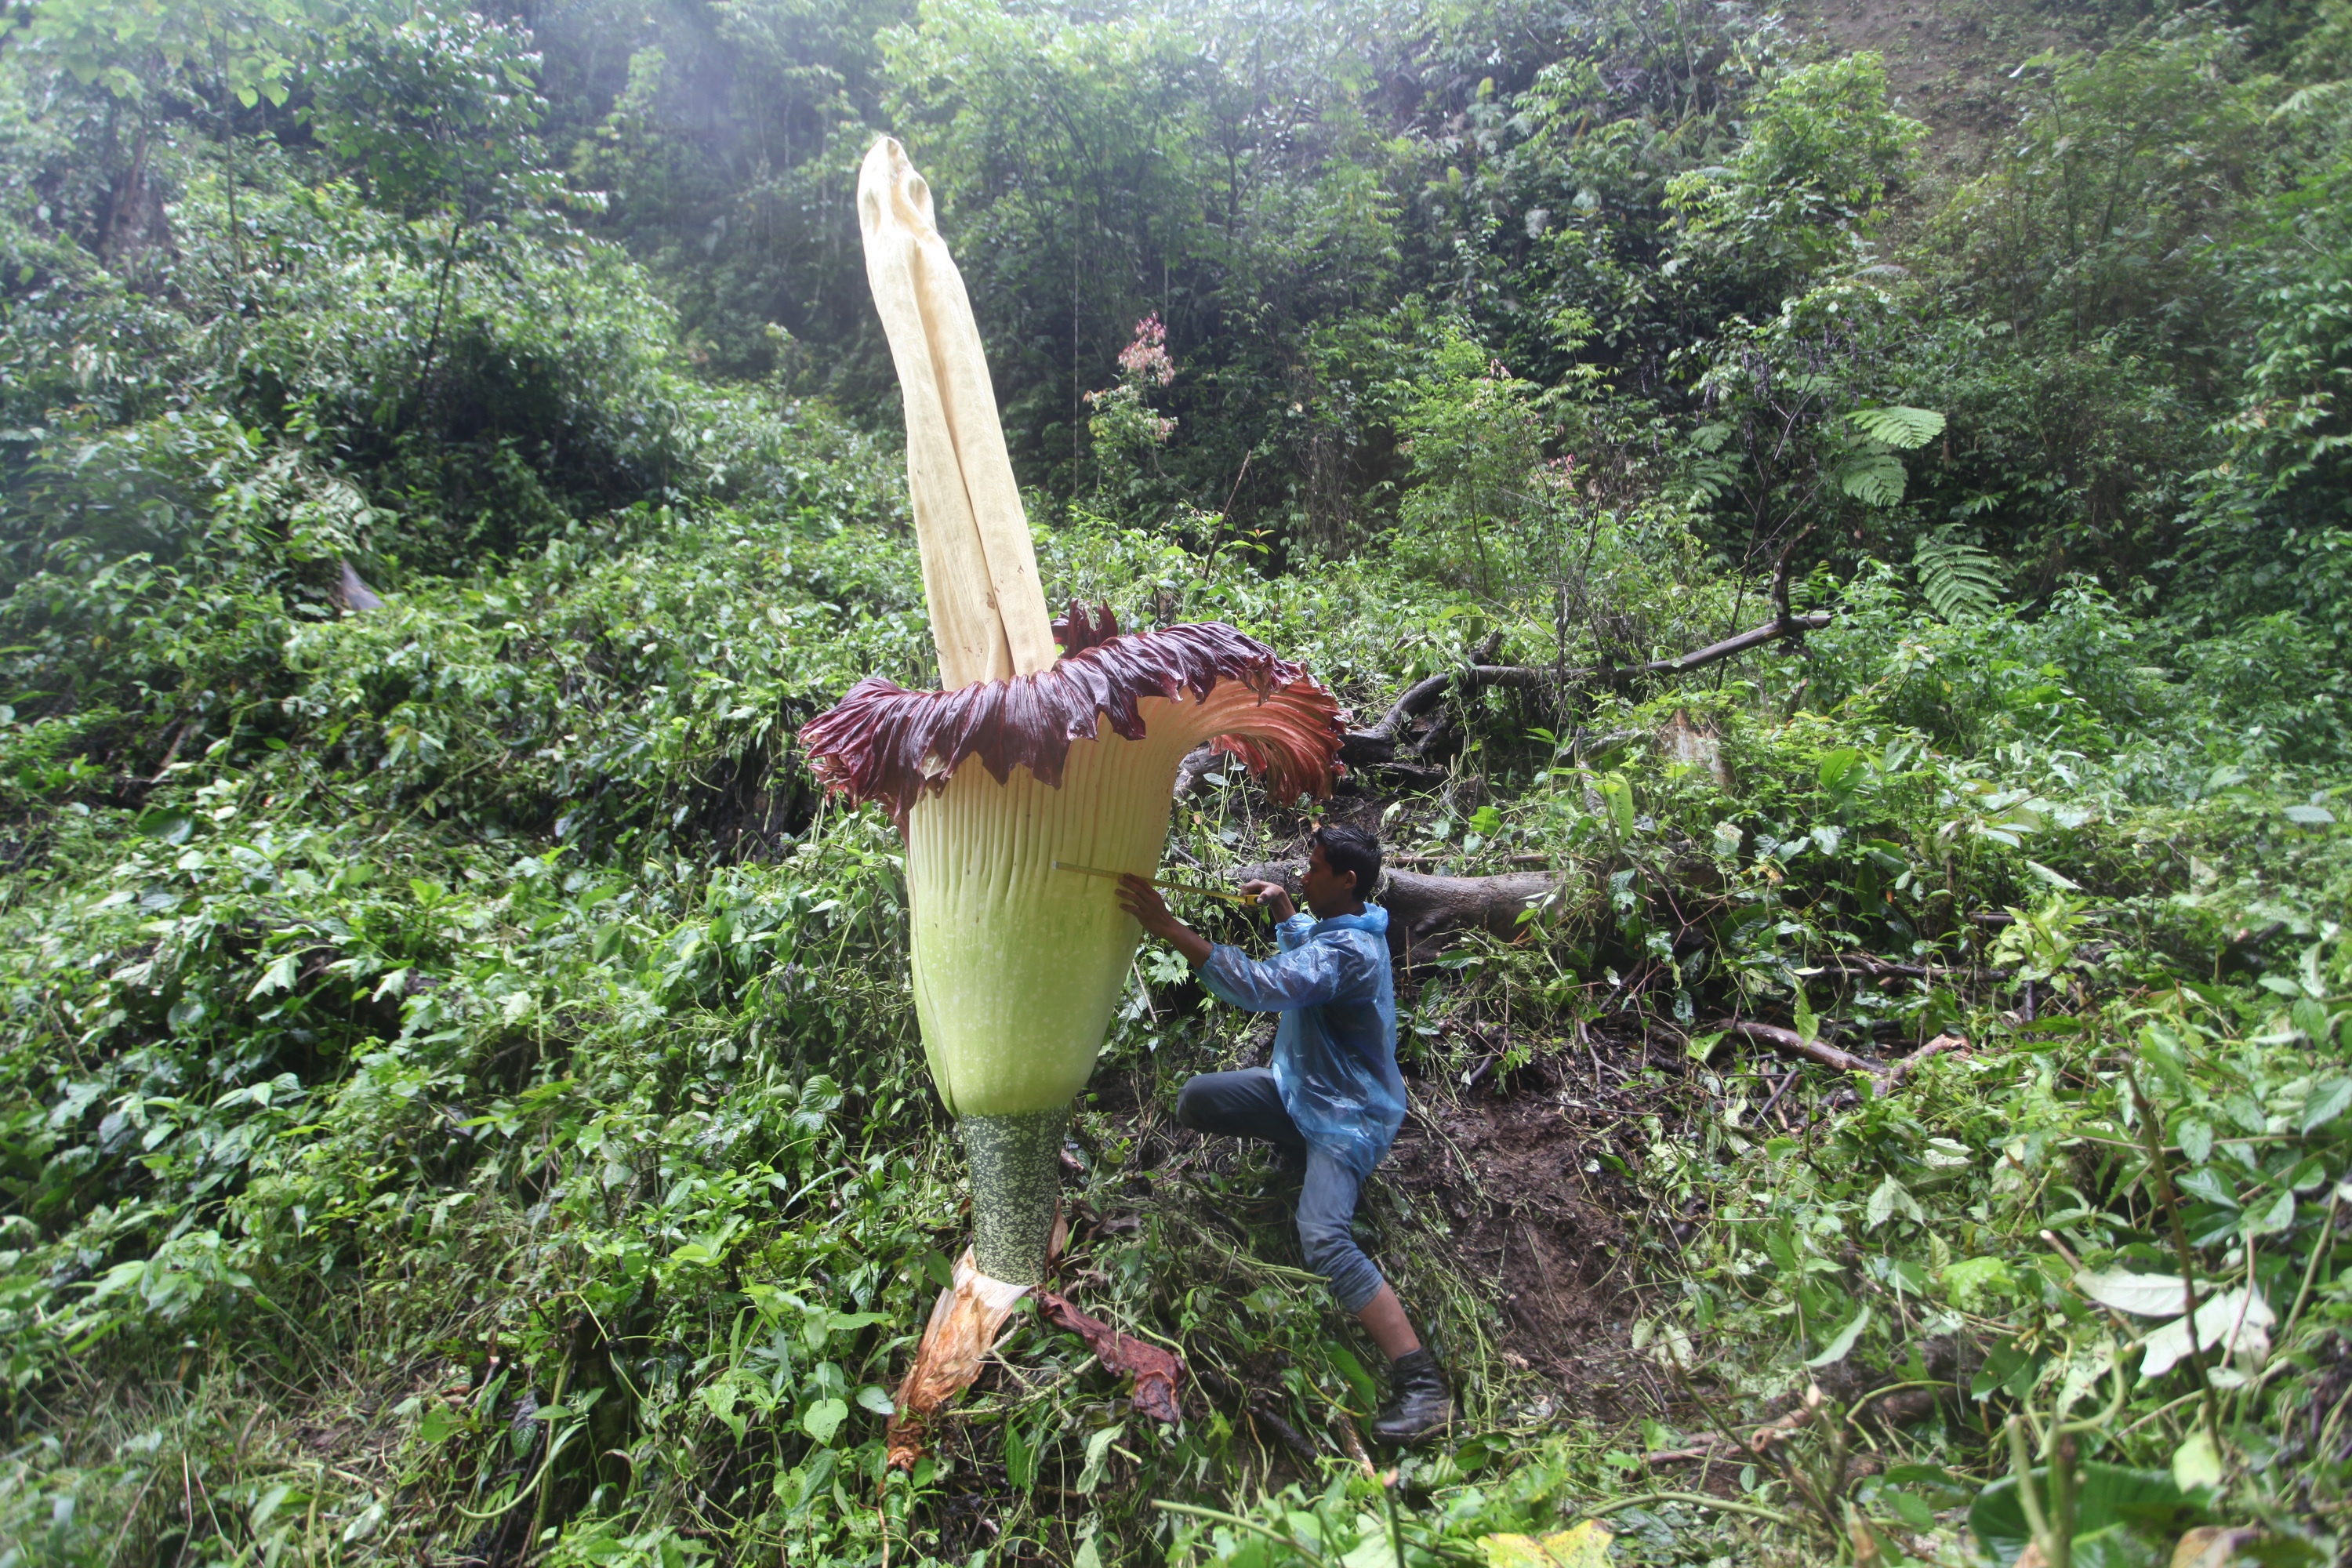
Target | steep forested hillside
(460,1098)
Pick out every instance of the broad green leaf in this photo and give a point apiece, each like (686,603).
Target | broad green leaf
(2231,1323)
(850,1322)
(1890,1198)
(1837,1350)
(2107,1497)
(2142,1294)
(2208,1183)
(1099,1448)
(718,1397)
(824,1418)
(2307,815)
(2268,1218)
(1809,1024)
(2328,1100)
(171,826)
(1585,1546)
(1973,1277)
(279,976)
(2196,1463)
(1619,792)
(1360,1380)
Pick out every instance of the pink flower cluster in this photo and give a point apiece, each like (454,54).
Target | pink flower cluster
(1143,364)
(1146,358)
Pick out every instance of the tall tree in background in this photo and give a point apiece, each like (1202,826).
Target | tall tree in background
(725,137)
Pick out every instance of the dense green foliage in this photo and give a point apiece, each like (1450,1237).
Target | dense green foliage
(459,1094)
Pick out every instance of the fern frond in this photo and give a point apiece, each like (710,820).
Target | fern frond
(1873,478)
(1956,577)
(1898,427)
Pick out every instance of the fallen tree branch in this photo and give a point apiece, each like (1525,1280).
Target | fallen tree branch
(1760,1441)
(1372,747)
(1788,1042)
(1864,965)
(1256,1407)
(1890,1075)
(1377,746)
(1418,699)
(1198,764)
(1438,859)
(1910,1064)
(1518,675)
(1709,1450)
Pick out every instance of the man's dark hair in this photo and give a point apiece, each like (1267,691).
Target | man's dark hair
(1351,850)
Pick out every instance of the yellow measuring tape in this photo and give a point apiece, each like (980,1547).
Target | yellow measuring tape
(1171,887)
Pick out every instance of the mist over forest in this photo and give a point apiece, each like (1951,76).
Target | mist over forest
(1832,531)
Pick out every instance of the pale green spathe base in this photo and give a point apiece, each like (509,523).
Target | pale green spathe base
(1018,967)
(1016,1178)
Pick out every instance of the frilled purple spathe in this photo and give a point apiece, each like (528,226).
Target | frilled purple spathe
(882,741)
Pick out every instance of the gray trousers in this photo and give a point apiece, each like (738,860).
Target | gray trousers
(1248,1105)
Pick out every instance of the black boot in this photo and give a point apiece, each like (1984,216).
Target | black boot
(1419,1403)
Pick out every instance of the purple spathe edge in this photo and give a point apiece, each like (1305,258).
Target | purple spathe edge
(882,741)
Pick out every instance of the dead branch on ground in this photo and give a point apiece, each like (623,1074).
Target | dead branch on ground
(1788,1042)
(1377,746)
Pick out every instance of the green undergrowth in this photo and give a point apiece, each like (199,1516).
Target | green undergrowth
(459,1099)
(472,1100)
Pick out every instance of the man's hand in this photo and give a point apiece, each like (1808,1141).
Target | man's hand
(1142,899)
(1275,897)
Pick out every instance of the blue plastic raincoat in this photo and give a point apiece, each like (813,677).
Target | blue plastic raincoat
(1335,1049)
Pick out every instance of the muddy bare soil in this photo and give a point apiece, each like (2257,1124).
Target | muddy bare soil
(1526,1228)
(1538,1223)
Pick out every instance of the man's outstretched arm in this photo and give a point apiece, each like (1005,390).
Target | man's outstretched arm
(1299,978)
(1142,899)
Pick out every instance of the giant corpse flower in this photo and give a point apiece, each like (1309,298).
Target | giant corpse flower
(1031,754)
(1017,965)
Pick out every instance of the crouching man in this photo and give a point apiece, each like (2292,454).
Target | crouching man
(1333,1097)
